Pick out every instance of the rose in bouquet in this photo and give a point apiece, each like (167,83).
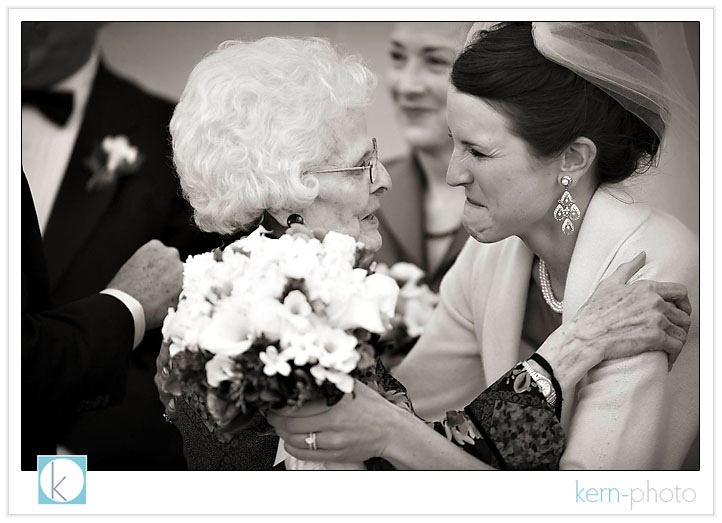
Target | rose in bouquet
(416,303)
(276,322)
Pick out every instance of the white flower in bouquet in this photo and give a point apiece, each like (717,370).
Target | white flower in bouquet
(415,305)
(338,350)
(366,301)
(197,283)
(227,331)
(297,304)
(273,362)
(183,330)
(339,252)
(343,381)
(301,347)
(302,259)
(219,369)
(267,318)
(418,308)
(405,273)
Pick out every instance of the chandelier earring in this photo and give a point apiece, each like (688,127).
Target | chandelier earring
(566,210)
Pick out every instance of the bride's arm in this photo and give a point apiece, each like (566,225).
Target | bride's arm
(364,425)
(416,447)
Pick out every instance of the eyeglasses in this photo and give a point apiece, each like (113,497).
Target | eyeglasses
(368,164)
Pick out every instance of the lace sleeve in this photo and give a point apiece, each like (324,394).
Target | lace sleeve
(509,426)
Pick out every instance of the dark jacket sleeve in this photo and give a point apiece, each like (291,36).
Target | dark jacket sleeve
(73,358)
(79,351)
(75,351)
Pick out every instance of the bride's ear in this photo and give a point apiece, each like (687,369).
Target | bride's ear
(578,158)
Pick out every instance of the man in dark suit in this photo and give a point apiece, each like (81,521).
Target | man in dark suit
(103,182)
(75,357)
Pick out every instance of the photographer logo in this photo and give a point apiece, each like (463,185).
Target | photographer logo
(61,479)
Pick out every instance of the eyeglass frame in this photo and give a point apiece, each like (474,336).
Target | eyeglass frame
(374,161)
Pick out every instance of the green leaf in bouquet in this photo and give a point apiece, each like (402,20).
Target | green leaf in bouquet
(189,366)
(237,394)
(271,396)
(222,291)
(299,387)
(362,334)
(331,393)
(240,250)
(396,342)
(294,284)
(223,411)
(368,355)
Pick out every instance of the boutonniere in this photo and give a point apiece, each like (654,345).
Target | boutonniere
(111,158)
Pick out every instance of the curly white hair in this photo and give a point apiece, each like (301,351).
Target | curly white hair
(253,117)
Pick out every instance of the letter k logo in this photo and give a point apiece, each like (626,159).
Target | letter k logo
(61,480)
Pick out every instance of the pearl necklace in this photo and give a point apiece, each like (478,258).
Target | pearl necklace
(546,288)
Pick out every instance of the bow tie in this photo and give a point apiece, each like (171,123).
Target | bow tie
(55,105)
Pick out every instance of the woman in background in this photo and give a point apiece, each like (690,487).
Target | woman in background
(421,218)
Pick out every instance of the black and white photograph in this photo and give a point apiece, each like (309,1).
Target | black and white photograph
(346,244)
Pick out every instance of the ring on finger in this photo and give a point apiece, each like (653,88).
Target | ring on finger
(311,441)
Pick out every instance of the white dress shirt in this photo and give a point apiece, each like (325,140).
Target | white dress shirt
(47,146)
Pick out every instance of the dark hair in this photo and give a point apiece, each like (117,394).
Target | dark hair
(549,105)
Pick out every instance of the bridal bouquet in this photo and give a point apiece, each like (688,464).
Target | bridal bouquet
(416,303)
(274,322)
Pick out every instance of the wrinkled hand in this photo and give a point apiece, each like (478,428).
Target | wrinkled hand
(153,276)
(355,429)
(625,319)
(168,387)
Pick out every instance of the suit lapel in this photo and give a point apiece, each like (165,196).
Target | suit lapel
(77,211)
(505,307)
(607,224)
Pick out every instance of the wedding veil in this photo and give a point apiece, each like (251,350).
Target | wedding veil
(638,69)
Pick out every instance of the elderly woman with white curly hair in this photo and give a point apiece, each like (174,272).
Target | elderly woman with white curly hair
(273,133)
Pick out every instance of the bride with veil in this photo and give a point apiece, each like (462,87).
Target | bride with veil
(519,138)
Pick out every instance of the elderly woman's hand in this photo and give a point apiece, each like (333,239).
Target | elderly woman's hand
(620,320)
(355,429)
(168,386)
